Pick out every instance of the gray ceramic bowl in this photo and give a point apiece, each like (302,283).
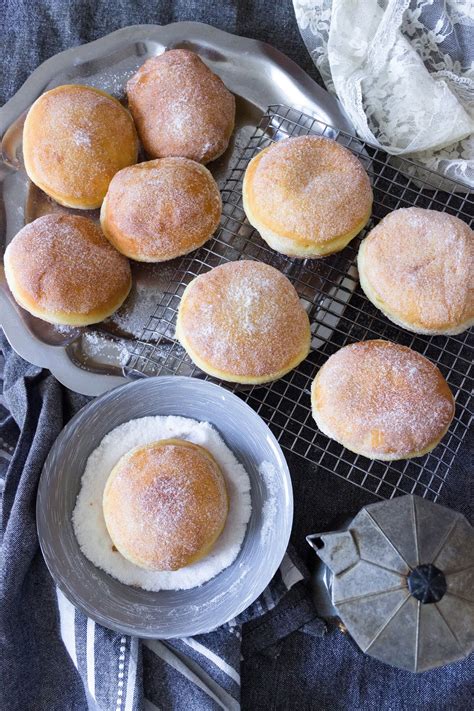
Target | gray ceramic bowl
(166,613)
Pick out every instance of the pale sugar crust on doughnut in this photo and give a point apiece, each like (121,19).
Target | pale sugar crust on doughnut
(165,504)
(243,322)
(382,400)
(62,269)
(181,108)
(417,267)
(161,209)
(75,139)
(307,196)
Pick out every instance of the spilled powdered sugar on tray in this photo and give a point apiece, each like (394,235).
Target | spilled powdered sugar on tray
(88,520)
(100,348)
(150,282)
(112,342)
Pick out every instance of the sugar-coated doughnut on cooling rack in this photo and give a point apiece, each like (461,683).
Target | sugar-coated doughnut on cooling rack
(339,312)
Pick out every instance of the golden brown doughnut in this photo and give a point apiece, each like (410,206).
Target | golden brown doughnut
(417,267)
(382,400)
(243,322)
(181,108)
(61,269)
(161,209)
(75,139)
(307,196)
(165,504)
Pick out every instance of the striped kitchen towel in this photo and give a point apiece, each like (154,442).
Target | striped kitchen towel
(53,657)
(124,673)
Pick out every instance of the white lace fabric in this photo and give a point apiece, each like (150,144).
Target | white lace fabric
(404,72)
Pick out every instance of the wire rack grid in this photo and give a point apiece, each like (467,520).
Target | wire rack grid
(338,310)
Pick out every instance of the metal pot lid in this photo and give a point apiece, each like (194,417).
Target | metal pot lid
(403,581)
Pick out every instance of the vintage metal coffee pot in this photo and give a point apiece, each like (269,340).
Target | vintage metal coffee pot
(401,579)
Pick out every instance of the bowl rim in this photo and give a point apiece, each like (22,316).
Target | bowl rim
(41,527)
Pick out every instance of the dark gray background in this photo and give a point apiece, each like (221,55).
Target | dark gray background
(303,671)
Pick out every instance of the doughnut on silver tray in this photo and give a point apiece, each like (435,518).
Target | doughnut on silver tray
(90,360)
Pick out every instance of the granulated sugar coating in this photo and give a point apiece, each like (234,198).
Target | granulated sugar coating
(88,519)
(382,400)
(180,107)
(63,264)
(161,209)
(75,139)
(418,266)
(165,504)
(244,319)
(309,189)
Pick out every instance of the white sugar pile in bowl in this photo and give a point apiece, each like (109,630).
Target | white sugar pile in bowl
(88,519)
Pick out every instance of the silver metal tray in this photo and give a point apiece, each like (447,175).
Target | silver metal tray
(90,360)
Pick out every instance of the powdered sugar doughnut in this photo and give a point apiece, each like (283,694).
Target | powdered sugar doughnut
(417,267)
(61,269)
(243,322)
(165,504)
(307,196)
(88,516)
(382,400)
(181,108)
(161,209)
(75,139)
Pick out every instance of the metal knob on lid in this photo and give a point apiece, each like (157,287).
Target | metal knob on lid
(402,581)
(427,583)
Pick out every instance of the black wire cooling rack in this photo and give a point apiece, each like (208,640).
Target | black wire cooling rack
(339,313)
